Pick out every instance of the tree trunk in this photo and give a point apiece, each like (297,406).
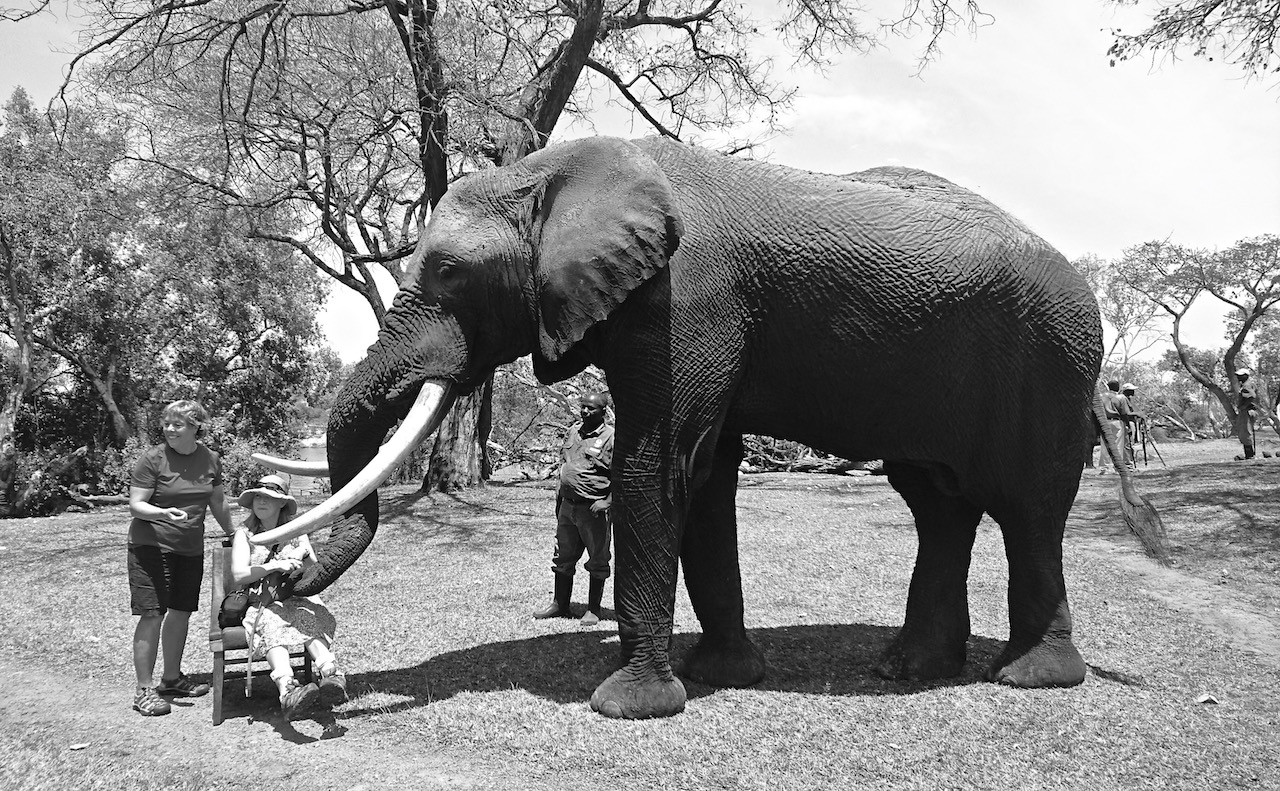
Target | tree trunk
(460,457)
(20,331)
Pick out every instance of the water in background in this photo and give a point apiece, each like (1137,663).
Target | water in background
(302,484)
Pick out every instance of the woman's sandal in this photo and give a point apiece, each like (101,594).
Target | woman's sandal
(149,704)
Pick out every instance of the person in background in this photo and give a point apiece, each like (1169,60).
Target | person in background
(582,509)
(173,485)
(275,622)
(8,477)
(1116,409)
(1246,414)
(1128,392)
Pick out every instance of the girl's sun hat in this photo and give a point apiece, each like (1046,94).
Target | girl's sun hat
(272,486)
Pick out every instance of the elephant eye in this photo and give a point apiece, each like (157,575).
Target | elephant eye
(449,272)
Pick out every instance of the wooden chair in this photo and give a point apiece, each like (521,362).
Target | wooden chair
(230,646)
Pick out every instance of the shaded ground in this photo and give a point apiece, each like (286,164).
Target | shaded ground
(455,687)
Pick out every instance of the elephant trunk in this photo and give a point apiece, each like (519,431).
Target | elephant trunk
(358,466)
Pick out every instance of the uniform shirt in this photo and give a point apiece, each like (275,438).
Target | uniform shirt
(1116,406)
(584,470)
(1248,398)
(179,481)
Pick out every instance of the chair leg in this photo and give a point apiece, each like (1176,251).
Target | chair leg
(217,687)
(307,667)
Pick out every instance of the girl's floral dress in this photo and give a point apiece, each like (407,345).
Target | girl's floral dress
(289,622)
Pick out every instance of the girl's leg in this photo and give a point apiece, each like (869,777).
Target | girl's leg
(322,655)
(333,684)
(281,670)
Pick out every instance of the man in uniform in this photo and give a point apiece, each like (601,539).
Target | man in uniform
(1130,417)
(1116,408)
(582,510)
(1246,412)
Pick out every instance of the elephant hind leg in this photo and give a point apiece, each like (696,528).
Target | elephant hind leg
(1040,652)
(931,643)
(724,656)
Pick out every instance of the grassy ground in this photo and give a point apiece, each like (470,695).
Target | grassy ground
(455,686)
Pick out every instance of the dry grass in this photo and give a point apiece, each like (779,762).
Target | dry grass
(456,686)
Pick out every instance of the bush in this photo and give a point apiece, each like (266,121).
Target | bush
(117,466)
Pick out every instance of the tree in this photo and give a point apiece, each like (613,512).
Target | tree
(57,211)
(122,294)
(1246,277)
(1132,316)
(1241,32)
(355,115)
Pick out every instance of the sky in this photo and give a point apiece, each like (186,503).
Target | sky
(1027,112)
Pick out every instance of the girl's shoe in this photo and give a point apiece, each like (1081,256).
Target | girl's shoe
(333,687)
(297,698)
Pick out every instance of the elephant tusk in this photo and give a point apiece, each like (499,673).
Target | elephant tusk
(424,417)
(314,469)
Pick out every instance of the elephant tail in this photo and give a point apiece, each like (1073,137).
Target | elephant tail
(1140,516)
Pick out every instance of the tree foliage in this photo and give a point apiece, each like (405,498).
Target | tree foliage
(1132,316)
(117,299)
(1241,32)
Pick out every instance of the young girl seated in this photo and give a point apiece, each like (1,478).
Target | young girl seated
(274,625)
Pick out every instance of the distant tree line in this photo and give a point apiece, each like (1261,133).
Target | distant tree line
(1146,294)
(118,296)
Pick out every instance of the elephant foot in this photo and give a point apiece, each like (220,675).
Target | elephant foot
(624,695)
(1049,663)
(724,663)
(907,660)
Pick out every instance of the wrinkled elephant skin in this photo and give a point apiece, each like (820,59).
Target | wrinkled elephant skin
(888,314)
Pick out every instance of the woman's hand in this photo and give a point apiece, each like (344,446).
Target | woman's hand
(175,515)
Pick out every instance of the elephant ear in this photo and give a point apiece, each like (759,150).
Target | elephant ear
(607,223)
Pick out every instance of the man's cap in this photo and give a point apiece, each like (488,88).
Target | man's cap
(1128,386)
(1242,372)
(594,399)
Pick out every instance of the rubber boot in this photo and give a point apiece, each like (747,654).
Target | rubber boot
(592,616)
(1248,451)
(559,607)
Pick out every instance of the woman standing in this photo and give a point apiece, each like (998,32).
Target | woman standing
(173,485)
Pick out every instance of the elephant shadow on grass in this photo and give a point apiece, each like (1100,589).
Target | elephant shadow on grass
(825,659)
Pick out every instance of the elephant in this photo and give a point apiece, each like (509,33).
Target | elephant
(886,314)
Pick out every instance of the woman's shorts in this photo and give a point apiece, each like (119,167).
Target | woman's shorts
(160,581)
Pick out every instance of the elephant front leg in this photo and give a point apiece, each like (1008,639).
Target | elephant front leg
(932,641)
(724,656)
(644,599)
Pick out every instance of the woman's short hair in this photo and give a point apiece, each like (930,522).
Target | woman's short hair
(190,411)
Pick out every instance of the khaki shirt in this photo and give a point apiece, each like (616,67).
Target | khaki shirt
(1116,406)
(585,462)
(1248,398)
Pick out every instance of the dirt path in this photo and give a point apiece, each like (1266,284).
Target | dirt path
(260,750)
(1218,608)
